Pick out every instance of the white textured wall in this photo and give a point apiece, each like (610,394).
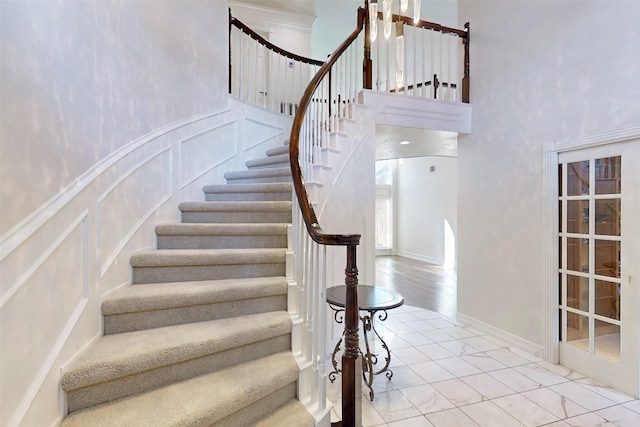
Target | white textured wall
(424,200)
(82,79)
(540,71)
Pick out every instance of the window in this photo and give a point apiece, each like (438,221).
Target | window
(384,205)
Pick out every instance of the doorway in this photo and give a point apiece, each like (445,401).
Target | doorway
(599,263)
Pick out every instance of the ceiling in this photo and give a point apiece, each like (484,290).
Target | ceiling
(304,7)
(423,142)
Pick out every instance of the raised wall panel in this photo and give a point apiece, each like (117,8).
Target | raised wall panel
(257,132)
(34,317)
(131,201)
(202,152)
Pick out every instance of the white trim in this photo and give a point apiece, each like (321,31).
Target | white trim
(99,204)
(45,255)
(46,367)
(262,18)
(418,257)
(509,338)
(597,139)
(187,181)
(31,223)
(550,253)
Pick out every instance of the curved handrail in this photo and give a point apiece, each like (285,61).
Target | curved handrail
(308,213)
(257,37)
(426,25)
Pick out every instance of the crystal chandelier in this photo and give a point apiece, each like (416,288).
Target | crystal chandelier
(387,6)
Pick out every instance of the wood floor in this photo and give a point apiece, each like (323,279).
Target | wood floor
(421,284)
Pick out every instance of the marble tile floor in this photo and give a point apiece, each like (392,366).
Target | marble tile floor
(446,374)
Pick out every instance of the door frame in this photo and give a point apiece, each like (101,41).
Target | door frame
(550,212)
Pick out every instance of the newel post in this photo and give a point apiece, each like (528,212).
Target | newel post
(465,79)
(367,64)
(351,362)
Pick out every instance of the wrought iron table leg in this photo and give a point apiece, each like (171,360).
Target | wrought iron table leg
(382,317)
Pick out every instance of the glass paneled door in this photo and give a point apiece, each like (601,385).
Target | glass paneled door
(599,263)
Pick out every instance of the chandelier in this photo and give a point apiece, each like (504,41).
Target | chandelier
(386,15)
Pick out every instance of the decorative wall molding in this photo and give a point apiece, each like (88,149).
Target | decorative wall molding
(231,146)
(420,113)
(81,219)
(263,18)
(601,138)
(104,229)
(23,230)
(46,367)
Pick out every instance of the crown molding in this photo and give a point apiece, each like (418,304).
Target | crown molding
(263,18)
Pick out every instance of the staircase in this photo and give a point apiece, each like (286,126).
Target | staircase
(203,337)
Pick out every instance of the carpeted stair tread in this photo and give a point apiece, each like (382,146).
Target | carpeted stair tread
(197,401)
(160,296)
(264,187)
(202,257)
(278,150)
(232,229)
(292,414)
(259,173)
(260,206)
(120,355)
(266,162)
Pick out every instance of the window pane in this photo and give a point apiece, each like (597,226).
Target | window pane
(607,258)
(578,254)
(578,178)
(578,330)
(578,292)
(608,217)
(607,340)
(608,175)
(382,223)
(578,216)
(383,172)
(608,299)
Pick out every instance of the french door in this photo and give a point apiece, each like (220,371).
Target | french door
(599,241)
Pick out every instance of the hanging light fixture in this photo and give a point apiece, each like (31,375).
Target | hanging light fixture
(404,5)
(386,18)
(416,10)
(399,55)
(373,16)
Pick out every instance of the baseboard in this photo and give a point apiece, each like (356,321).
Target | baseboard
(509,338)
(418,257)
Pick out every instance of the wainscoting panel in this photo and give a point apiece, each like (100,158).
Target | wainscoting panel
(202,152)
(127,204)
(33,316)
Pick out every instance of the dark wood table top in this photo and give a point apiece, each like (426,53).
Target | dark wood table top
(369,297)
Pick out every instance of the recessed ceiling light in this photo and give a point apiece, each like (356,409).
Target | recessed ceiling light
(405,142)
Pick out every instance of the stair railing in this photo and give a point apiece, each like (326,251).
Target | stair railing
(329,97)
(419,58)
(264,74)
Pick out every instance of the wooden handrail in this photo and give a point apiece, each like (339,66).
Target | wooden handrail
(426,24)
(351,368)
(308,213)
(257,37)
